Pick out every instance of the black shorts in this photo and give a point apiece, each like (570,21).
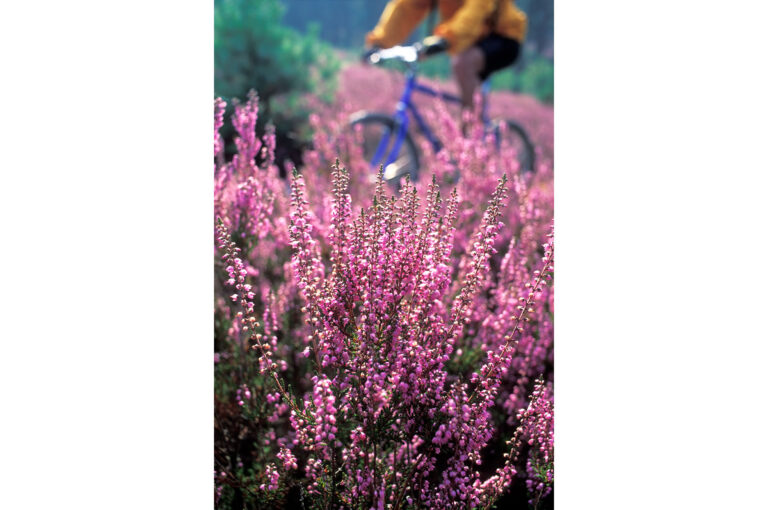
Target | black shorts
(499,51)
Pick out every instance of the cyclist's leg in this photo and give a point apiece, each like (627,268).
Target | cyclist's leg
(467,67)
(474,65)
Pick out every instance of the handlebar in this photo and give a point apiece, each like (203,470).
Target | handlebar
(408,54)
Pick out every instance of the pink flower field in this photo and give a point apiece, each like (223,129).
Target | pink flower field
(357,81)
(381,348)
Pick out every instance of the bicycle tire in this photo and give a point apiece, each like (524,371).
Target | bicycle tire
(374,126)
(516,137)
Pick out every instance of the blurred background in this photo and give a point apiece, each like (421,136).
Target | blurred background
(344,23)
(289,49)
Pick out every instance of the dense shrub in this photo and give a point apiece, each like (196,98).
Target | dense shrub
(534,76)
(254,50)
(377,350)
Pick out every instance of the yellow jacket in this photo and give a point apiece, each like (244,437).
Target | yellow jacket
(463,22)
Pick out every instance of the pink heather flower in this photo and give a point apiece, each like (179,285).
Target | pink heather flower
(406,324)
(538,420)
(218,120)
(273,477)
(288,459)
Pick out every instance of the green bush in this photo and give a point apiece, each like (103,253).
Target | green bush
(254,50)
(534,76)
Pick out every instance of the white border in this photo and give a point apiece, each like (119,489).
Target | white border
(105,203)
(660,178)
(106,378)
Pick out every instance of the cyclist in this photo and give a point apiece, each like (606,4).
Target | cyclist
(482,36)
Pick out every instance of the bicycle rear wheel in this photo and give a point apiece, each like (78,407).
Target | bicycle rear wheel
(510,135)
(379,136)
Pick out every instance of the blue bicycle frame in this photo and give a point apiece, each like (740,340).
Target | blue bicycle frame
(405,105)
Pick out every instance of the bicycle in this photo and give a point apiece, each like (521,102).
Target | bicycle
(387,142)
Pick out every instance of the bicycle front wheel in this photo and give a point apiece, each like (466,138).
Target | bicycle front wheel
(383,145)
(510,135)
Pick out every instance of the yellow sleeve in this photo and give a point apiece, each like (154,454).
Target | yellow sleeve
(468,25)
(397,22)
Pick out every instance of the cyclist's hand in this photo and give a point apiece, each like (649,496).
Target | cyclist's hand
(432,45)
(365,58)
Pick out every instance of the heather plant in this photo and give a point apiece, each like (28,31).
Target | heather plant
(378,349)
(528,217)
(250,199)
(249,194)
